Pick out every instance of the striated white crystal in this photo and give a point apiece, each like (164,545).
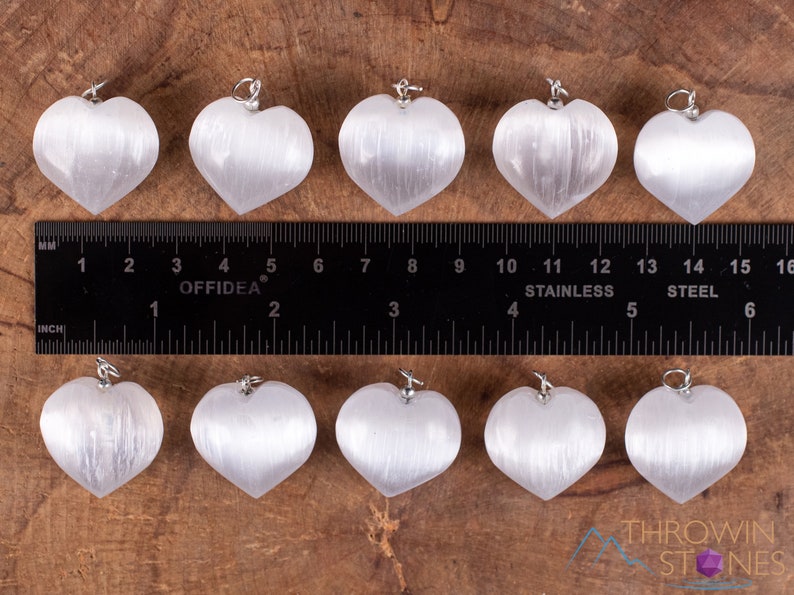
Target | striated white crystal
(694,166)
(255,441)
(250,157)
(555,158)
(401,156)
(97,153)
(545,447)
(101,438)
(681,444)
(396,445)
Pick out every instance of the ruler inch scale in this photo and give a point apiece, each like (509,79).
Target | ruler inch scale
(336,288)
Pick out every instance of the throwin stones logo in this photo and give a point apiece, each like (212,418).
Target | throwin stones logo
(595,550)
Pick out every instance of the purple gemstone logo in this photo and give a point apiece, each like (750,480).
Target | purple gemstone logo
(709,563)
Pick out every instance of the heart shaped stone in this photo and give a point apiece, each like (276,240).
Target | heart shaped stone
(694,166)
(397,445)
(97,153)
(555,158)
(401,156)
(683,444)
(545,447)
(101,438)
(255,441)
(250,157)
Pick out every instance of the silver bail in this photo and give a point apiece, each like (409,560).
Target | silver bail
(403,99)
(683,388)
(544,394)
(93,92)
(250,101)
(248,382)
(407,392)
(104,369)
(555,102)
(691,111)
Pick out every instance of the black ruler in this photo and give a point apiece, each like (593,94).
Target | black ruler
(414,288)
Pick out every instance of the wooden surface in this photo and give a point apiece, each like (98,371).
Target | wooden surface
(179,527)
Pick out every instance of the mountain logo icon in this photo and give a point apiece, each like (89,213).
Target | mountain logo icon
(605,545)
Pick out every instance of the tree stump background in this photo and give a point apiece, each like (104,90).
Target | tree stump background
(179,526)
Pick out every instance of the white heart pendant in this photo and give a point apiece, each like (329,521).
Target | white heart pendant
(101,437)
(96,151)
(401,153)
(545,444)
(555,156)
(683,441)
(394,443)
(250,157)
(254,440)
(694,164)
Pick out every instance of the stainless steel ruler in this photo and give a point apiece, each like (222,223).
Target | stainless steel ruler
(414,288)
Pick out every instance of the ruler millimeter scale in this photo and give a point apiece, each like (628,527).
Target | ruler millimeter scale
(414,288)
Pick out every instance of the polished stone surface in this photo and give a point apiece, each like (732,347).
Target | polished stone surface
(396,445)
(694,166)
(681,444)
(101,438)
(255,441)
(545,447)
(96,153)
(250,157)
(399,156)
(555,158)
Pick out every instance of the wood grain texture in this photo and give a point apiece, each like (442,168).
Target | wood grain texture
(180,527)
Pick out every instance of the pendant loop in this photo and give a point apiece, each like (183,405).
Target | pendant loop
(403,99)
(92,92)
(407,392)
(104,369)
(556,90)
(691,111)
(544,394)
(686,383)
(251,101)
(248,382)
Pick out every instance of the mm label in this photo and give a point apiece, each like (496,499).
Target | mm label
(405,288)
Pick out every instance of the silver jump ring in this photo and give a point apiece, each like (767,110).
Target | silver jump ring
(248,382)
(251,101)
(93,91)
(556,90)
(691,110)
(104,369)
(682,388)
(407,392)
(402,89)
(545,387)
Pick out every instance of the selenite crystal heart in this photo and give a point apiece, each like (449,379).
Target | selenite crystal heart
(255,441)
(250,157)
(397,445)
(694,166)
(401,156)
(97,153)
(555,158)
(101,438)
(545,447)
(683,444)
